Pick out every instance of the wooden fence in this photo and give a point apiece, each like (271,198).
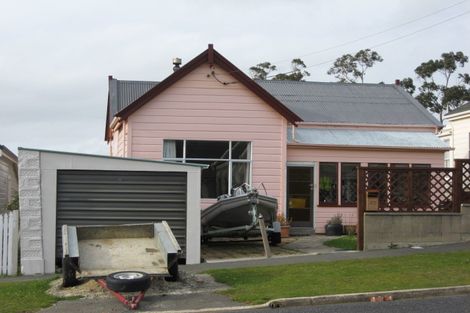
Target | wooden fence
(9,243)
(413,190)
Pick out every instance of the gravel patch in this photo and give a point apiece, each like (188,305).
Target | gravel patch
(188,283)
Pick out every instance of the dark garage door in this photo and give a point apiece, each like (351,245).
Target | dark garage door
(87,197)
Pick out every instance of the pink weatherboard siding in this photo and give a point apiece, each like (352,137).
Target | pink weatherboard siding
(310,155)
(198,107)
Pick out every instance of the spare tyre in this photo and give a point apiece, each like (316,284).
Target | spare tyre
(128,281)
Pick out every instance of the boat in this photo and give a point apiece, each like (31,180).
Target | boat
(236,214)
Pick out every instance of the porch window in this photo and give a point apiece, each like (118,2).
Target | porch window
(349,184)
(229,162)
(328,184)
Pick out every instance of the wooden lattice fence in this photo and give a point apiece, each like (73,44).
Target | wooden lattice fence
(414,190)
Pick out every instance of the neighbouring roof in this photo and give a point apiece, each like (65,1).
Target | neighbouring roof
(350,103)
(366,138)
(7,152)
(463,108)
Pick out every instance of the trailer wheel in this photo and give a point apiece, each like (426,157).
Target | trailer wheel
(128,281)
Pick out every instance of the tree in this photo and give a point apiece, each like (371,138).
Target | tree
(297,73)
(351,68)
(262,71)
(442,88)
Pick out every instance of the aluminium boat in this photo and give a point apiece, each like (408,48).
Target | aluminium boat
(236,214)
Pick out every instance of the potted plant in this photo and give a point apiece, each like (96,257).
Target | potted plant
(334,227)
(285,225)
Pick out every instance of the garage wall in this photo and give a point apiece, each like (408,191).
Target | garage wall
(38,200)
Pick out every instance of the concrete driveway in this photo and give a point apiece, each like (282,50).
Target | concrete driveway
(233,249)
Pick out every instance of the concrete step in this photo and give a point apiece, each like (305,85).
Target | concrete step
(301,231)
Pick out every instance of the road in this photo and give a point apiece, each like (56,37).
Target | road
(451,304)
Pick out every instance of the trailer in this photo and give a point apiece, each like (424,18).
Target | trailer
(122,258)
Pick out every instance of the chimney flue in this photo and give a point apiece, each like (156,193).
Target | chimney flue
(176,63)
(397,82)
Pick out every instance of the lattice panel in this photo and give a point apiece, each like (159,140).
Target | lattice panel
(466,176)
(411,190)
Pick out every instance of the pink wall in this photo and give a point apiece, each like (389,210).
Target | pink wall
(200,108)
(309,155)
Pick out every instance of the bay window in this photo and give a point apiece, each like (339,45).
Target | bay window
(229,162)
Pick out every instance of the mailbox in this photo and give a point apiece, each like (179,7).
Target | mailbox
(372,200)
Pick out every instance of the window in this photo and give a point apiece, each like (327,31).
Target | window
(229,162)
(328,184)
(349,184)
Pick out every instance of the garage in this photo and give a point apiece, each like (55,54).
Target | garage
(58,188)
(86,197)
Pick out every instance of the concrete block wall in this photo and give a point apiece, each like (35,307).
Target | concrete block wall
(422,229)
(32,258)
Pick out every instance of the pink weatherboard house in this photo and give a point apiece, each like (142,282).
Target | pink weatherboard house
(302,140)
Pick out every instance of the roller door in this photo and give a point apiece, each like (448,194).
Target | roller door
(91,197)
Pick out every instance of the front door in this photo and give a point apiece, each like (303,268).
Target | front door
(300,195)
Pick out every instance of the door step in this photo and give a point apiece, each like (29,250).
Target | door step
(301,231)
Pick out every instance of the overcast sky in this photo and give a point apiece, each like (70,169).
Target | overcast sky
(55,56)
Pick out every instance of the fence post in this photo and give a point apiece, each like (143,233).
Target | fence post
(5,245)
(360,207)
(1,244)
(13,243)
(457,186)
(410,191)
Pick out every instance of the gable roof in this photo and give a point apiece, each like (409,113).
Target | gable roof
(461,109)
(321,102)
(210,56)
(7,152)
(317,102)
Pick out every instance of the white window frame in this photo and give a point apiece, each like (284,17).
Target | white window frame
(229,160)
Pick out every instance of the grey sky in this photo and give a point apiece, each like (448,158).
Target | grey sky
(55,56)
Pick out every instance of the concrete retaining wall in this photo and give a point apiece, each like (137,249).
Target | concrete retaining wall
(381,230)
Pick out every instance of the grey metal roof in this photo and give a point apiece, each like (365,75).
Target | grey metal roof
(349,103)
(314,101)
(124,92)
(463,108)
(366,138)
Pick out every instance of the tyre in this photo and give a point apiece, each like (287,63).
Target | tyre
(128,281)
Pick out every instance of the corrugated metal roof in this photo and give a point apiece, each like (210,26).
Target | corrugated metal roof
(463,108)
(366,138)
(349,103)
(315,101)
(124,92)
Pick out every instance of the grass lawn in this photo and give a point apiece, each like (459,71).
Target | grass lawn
(260,284)
(344,242)
(25,296)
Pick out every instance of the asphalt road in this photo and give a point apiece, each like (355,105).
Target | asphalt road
(452,304)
